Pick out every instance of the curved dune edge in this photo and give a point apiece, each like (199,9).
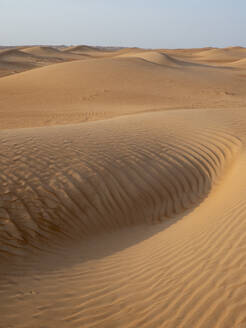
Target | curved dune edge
(160,58)
(96,89)
(240,63)
(154,57)
(74,182)
(92,261)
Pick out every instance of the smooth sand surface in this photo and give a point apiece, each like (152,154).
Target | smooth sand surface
(122,191)
(124,82)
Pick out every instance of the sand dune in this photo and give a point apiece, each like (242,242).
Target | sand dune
(19,56)
(36,56)
(138,218)
(13,54)
(240,63)
(85,90)
(41,51)
(15,61)
(211,56)
(189,167)
(185,53)
(159,58)
(8,67)
(101,52)
(81,49)
(50,52)
(90,52)
(20,59)
(130,50)
(155,57)
(226,55)
(114,176)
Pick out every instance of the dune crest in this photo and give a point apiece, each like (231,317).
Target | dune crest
(240,63)
(21,59)
(153,181)
(81,49)
(40,51)
(226,55)
(155,57)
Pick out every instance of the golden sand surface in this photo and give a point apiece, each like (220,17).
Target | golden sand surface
(122,188)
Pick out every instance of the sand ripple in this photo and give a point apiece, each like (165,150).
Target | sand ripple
(67,182)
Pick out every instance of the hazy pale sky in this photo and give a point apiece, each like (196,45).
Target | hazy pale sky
(142,23)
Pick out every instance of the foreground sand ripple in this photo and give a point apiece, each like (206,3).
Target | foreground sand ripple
(67,182)
(79,247)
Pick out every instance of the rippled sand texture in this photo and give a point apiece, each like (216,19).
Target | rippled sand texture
(137,220)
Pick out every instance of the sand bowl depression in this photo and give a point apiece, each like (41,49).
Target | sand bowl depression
(106,175)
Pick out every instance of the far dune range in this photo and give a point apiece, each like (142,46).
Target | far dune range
(122,195)
(117,83)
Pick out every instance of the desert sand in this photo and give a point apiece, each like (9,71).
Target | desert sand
(122,194)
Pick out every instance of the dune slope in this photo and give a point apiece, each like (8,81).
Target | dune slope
(51,53)
(158,58)
(226,55)
(155,175)
(14,61)
(78,216)
(21,59)
(85,90)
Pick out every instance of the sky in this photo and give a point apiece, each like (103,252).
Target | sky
(125,23)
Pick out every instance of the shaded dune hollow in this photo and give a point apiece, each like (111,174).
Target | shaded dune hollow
(81,180)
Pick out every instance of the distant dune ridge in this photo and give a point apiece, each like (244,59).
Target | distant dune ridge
(155,57)
(81,49)
(122,194)
(115,83)
(16,60)
(217,56)
(41,50)
(50,52)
